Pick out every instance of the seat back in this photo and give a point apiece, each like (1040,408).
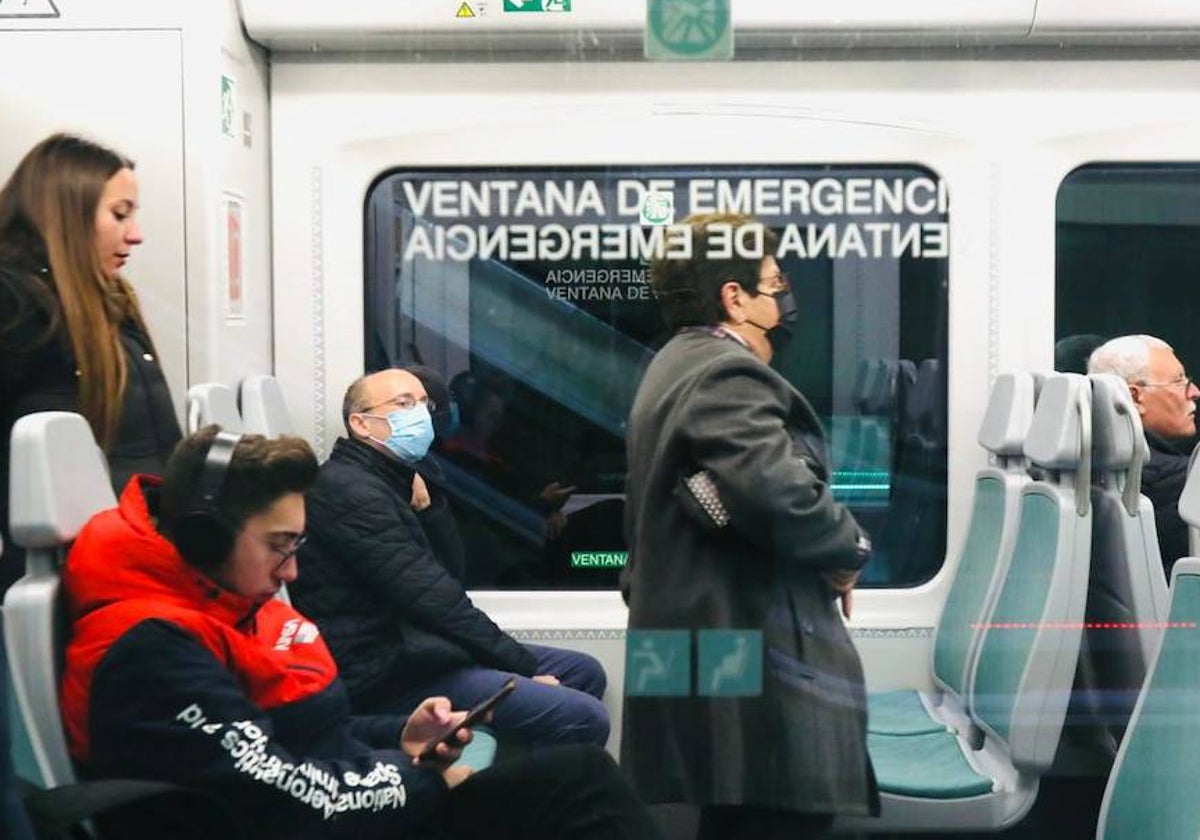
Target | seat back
(871,446)
(1021,681)
(864,381)
(1127,591)
(924,402)
(1189,506)
(912,540)
(991,533)
(906,381)
(59,479)
(13,823)
(263,410)
(1149,792)
(212,402)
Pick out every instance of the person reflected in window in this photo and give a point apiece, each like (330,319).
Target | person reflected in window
(184,667)
(466,432)
(399,624)
(1165,397)
(482,405)
(480,415)
(492,558)
(731,527)
(72,335)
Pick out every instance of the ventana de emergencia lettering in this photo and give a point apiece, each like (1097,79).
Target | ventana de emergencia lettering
(622,243)
(509,198)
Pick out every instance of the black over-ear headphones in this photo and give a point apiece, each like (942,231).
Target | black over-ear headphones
(203,535)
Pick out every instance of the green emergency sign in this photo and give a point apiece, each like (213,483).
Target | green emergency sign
(598,559)
(537,5)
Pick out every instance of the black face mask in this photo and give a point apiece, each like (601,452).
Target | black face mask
(780,334)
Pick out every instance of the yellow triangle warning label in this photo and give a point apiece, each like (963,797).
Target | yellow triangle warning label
(465,11)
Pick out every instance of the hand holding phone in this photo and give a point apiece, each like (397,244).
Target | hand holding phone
(450,734)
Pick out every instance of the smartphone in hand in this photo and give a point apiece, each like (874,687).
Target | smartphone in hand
(450,735)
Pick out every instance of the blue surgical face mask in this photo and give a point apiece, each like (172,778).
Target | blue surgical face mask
(412,432)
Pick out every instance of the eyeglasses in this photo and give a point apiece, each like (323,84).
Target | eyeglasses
(780,282)
(404,402)
(1186,381)
(284,552)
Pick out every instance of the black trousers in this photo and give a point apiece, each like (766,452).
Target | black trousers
(572,791)
(749,822)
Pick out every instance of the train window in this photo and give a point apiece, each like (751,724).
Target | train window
(1127,247)
(527,290)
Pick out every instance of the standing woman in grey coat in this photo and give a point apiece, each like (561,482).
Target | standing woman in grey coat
(731,527)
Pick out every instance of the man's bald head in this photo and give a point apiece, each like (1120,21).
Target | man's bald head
(378,393)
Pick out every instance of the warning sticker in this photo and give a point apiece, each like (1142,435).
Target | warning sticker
(28,9)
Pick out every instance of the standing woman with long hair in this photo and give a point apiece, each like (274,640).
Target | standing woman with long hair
(72,336)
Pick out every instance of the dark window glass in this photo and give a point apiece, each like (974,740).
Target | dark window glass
(528,291)
(1127,251)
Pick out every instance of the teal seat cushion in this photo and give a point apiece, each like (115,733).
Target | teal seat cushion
(23,759)
(930,766)
(481,752)
(1005,653)
(899,713)
(967,602)
(1153,794)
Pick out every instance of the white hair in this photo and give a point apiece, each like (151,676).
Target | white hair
(1127,356)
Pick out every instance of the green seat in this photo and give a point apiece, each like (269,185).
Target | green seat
(1027,657)
(981,565)
(1021,680)
(1150,791)
(928,766)
(481,752)
(1127,593)
(900,713)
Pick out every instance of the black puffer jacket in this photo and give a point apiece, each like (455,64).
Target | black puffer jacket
(38,373)
(1163,477)
(369,576)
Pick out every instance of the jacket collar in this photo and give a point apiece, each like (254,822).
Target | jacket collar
(391,469)
(1159,443)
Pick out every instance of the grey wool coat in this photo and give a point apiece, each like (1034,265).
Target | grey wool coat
(708,403)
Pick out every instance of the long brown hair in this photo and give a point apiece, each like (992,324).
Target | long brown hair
(48,218)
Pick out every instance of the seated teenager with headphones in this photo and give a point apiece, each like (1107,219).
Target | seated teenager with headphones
(184,667)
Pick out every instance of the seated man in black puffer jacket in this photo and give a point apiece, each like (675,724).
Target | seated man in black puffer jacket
(398,622)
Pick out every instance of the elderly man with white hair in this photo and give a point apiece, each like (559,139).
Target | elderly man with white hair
(1165,397)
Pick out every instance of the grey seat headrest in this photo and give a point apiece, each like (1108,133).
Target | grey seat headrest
(1059,436)
(213,402)
(1116,426)
(1009,413)
(59,479)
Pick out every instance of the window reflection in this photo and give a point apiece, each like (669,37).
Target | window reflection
(528,291)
